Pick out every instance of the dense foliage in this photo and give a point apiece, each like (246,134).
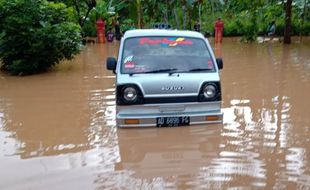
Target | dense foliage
(35,35)
(245,18)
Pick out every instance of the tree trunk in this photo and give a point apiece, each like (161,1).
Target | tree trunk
(207,13)
(184,16)
(199,11)
(303,20)
(190,15)
(288,15)
(139,12)
(166,13)
(176,18)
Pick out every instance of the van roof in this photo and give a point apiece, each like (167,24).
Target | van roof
(161,32)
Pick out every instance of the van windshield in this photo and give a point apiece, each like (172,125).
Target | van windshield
(165,54)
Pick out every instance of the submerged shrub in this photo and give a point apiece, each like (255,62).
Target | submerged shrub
(35,35)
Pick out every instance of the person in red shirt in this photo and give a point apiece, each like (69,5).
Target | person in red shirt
(110,35)
(219,27)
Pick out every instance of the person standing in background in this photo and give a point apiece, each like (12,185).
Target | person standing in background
(110,35)
(271,30)
(197,27)
(219,28)
(118,33)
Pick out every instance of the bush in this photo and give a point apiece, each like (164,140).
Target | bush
(126,25)
(35,35)
(250,28)
(250,23)
(89,29)
(207,29)
(232,28)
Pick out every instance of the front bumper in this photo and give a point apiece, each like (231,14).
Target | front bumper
(147,114)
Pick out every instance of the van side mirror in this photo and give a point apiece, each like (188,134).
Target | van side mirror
(219,62)
(111,64)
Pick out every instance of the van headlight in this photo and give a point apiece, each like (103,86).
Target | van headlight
(130,94)
(209,91)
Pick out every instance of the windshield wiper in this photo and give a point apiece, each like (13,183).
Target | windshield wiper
(191,70)
(172,71)
(156,71)
(199,69)
(162,70)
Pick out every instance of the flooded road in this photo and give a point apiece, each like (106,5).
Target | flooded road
(57,130)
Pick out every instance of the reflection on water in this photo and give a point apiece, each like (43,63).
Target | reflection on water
(59,128)
(148,151)
(263,101)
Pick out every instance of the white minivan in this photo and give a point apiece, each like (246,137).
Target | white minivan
(166,78)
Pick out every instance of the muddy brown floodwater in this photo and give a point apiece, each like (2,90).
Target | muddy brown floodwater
(57,130)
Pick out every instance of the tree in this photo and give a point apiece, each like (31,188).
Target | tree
(36,37)
(139,12)
(90,4)
(199,2)
(288,26)
(81,7)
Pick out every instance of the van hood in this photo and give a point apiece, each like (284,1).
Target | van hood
(165,85)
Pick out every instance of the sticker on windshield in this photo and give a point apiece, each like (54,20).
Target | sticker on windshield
(166,41)
(140,68)
(128,63)
(210,64)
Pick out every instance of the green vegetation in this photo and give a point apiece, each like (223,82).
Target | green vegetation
(87,12)
(242,18)
(35,35)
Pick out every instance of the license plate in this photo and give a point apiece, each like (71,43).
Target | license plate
(172,121)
